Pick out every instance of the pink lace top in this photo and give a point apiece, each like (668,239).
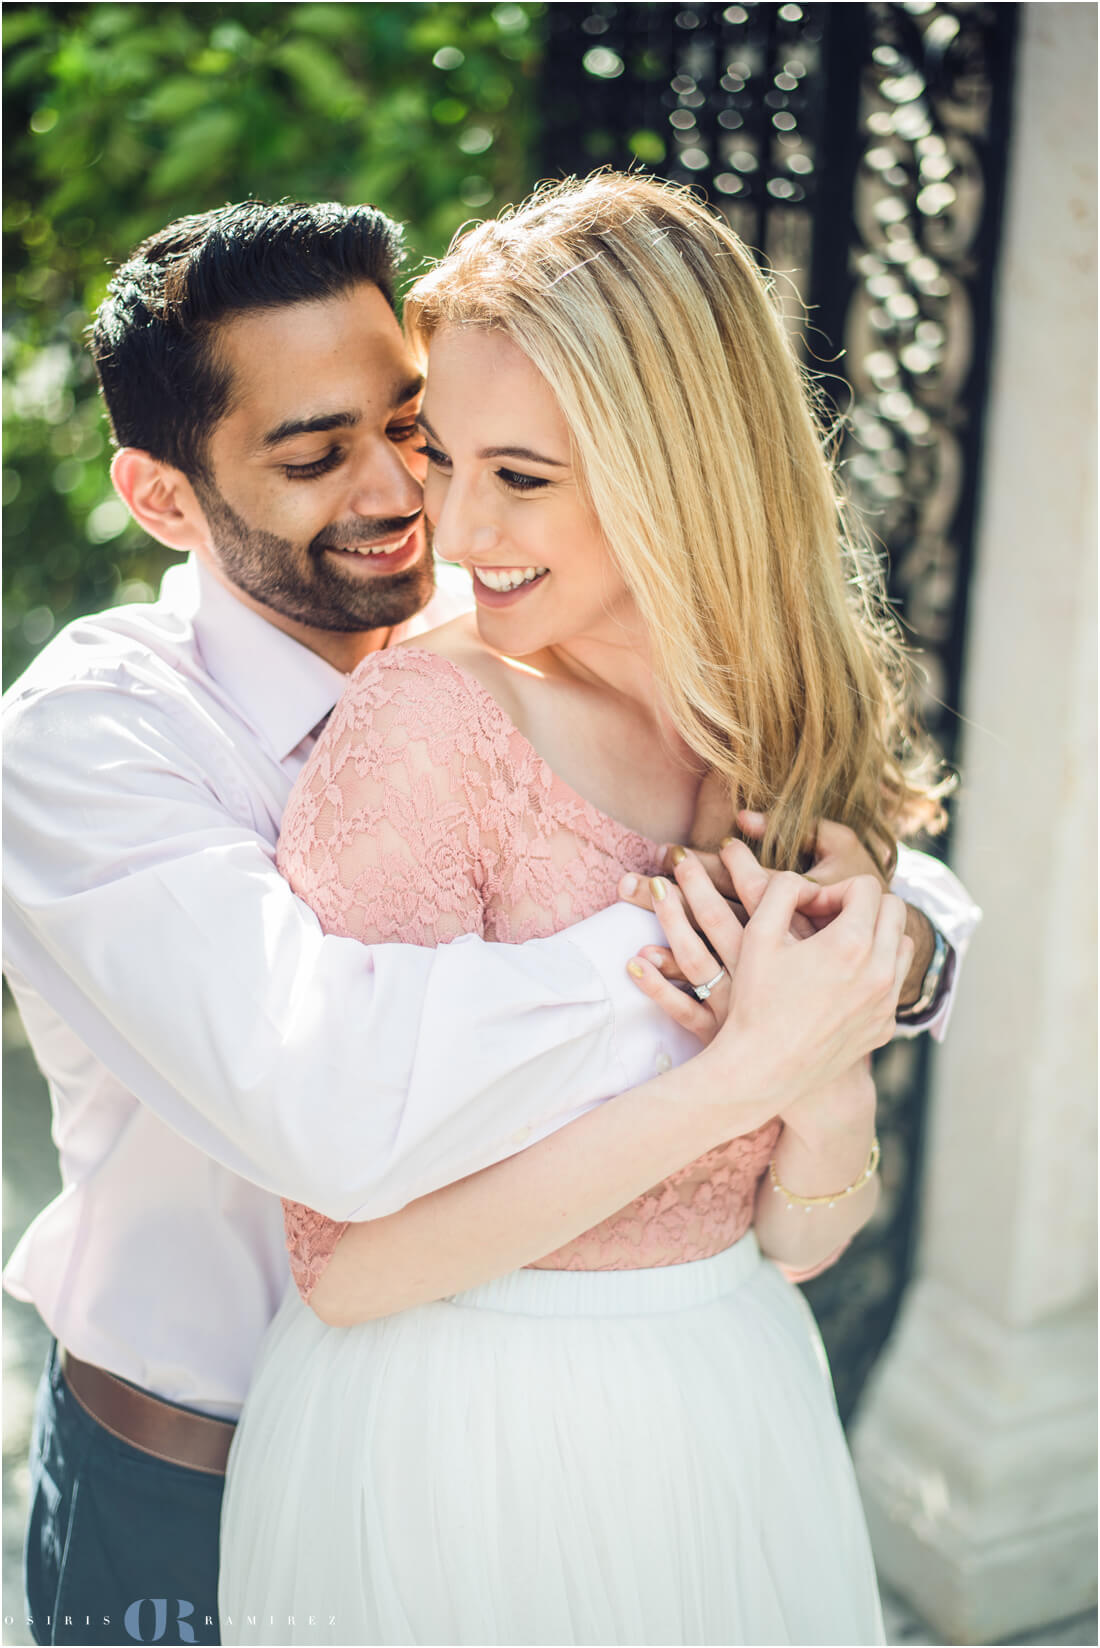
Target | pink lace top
(423,814)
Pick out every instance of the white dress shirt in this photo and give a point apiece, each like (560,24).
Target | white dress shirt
(207,1048)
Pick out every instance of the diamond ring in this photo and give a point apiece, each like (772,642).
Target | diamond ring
(702,991)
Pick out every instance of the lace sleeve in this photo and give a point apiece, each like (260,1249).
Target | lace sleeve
(381,837)
(380,834)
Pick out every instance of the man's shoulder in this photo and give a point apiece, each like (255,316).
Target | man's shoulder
(158,635)
(135,654)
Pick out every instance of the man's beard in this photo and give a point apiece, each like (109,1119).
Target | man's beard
(305,586)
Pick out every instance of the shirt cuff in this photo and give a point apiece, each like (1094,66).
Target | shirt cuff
(645,1041)
(931,887)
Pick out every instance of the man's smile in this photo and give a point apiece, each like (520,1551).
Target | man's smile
(390,555)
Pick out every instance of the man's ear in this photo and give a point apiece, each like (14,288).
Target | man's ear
(160,498)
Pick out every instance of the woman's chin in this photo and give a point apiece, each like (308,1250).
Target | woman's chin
(505,631)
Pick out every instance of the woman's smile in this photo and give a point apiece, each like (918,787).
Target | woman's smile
(504,586)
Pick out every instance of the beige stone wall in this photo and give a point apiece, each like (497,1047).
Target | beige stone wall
(974,1443)
(1016,1081)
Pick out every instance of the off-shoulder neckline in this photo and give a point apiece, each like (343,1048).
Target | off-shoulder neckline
(595,815)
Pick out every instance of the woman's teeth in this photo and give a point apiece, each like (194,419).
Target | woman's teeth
(506,578)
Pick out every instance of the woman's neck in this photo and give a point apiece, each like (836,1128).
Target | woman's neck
(616,659)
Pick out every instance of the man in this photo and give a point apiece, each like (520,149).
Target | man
(207,1047)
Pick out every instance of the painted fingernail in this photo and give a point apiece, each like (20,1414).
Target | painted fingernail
(727,841)
(676,855)
(628,886)
(635,969)
(657,887)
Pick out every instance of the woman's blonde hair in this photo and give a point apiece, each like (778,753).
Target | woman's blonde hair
(694,438)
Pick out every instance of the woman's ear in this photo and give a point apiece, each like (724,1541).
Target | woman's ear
(160,498)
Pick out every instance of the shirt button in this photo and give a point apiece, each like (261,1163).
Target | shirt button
(520,1135)
(662,1062)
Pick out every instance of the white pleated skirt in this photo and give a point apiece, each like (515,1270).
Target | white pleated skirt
(641,1456)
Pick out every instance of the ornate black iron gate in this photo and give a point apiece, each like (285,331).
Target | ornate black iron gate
(861,149)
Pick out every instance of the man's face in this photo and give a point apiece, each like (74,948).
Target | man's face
(314,495)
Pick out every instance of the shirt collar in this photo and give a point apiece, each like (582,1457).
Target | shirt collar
(282,687)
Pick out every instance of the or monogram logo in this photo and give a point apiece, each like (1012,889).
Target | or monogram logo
(132,1619)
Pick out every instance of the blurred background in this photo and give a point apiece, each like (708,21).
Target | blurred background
(921,177)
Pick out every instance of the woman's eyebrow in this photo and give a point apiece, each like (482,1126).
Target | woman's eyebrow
(500,451)
(520,452)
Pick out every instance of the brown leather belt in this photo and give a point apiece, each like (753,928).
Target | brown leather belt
(175,1435)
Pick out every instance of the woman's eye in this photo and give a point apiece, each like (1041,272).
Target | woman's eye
(522,483)
(438,459)
(310,471)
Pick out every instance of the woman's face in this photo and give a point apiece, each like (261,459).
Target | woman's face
(505,502)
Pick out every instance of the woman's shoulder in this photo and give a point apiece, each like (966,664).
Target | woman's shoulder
(485,672)
(439,687)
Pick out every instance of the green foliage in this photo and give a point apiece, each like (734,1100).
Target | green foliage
(120,117)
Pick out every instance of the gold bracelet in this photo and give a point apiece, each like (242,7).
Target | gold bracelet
(808,1203)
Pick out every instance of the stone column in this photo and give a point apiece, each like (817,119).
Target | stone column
(975,1444)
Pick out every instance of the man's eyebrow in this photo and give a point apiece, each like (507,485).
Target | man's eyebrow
(406,391)
(502,451)
(310,426)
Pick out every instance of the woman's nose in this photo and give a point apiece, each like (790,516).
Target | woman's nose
(462,527)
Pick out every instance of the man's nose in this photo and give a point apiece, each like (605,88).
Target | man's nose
(383,484)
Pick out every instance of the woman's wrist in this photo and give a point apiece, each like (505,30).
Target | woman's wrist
(824,1163)
(825,1198)
(833,1116)
(735,1084)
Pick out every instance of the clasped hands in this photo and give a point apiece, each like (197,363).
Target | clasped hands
(724,904)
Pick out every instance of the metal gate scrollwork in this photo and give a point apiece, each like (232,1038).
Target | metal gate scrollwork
(859,149)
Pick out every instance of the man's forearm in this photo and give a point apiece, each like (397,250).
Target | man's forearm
(351,1079)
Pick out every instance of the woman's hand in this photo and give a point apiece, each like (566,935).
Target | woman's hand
(802,1011)
(688,911)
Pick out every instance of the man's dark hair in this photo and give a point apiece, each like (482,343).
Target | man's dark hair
(153,339)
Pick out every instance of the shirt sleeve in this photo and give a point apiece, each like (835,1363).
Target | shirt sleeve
(148,913)
(931,887)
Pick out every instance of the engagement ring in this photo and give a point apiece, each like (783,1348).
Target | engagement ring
(704,990)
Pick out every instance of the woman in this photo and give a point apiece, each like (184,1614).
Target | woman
(632,1438)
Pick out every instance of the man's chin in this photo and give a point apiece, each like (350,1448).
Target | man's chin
(379,601)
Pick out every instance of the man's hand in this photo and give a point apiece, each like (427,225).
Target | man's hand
(837,852)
